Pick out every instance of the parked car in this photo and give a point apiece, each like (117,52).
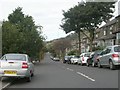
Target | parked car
(51,57)
(66,59)
(56,59)
(110,56)
(75,59)
(92,60)
(83,58)
(16,65)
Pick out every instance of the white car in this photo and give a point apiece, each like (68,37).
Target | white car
(74,59)
(16,65)
(83,58)
(56,59)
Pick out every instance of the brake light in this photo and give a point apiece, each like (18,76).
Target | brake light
(24,65)
(115,55)
(82,58)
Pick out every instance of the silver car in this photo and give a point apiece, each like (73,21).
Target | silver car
(110,56)
(16,65)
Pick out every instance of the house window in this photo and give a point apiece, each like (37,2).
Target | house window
(104,32)
(111,27)
(96,35)
(110,32)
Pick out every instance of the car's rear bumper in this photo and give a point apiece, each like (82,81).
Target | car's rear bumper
(83,62)
(75,61)
(116,61)
(19,73)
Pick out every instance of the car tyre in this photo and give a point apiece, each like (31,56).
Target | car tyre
(87,64)
(81,64)
(32,75)
(112,66)
(28,79)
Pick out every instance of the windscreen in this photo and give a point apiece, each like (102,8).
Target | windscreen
(15,57)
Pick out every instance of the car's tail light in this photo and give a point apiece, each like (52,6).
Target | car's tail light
(24,65)
(115,55)
(82,58)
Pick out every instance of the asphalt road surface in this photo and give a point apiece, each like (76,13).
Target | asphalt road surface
(55,74)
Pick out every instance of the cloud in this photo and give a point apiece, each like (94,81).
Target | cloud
(47,13)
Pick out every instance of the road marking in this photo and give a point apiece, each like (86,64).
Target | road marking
(86,76)
(6,85)
(69,69)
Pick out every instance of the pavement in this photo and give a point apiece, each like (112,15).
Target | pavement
(55,74)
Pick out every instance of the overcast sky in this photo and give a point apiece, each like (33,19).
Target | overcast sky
(47,13)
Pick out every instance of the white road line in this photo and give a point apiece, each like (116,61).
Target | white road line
(6,85)
(86,76)
(69,69)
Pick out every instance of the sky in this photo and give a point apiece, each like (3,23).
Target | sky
(47,13)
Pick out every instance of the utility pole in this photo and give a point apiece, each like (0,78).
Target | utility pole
(0,39)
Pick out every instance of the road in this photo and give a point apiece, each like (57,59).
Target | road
(51,74)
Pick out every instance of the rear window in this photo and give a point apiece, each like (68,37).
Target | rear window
(77,57)
(15,57)
(86,55)
(117,49)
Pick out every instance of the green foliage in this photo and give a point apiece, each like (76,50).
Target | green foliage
(20,35)
(87,17)
(73,52)
(98,48)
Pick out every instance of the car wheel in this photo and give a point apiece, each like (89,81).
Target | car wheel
(32,75)
(69,62)
(28,79)
(99,65)
(87,64)
(112,66)
(81,64)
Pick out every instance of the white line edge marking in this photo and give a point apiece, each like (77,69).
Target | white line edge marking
(70,69)
(6,85)
(85,76)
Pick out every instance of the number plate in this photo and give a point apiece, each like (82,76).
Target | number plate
(10,72)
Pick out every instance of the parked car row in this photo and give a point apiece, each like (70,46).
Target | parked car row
(81,60)
(109,57)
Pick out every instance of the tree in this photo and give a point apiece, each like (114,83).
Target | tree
(60,47)
(86,17)
(20,35)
